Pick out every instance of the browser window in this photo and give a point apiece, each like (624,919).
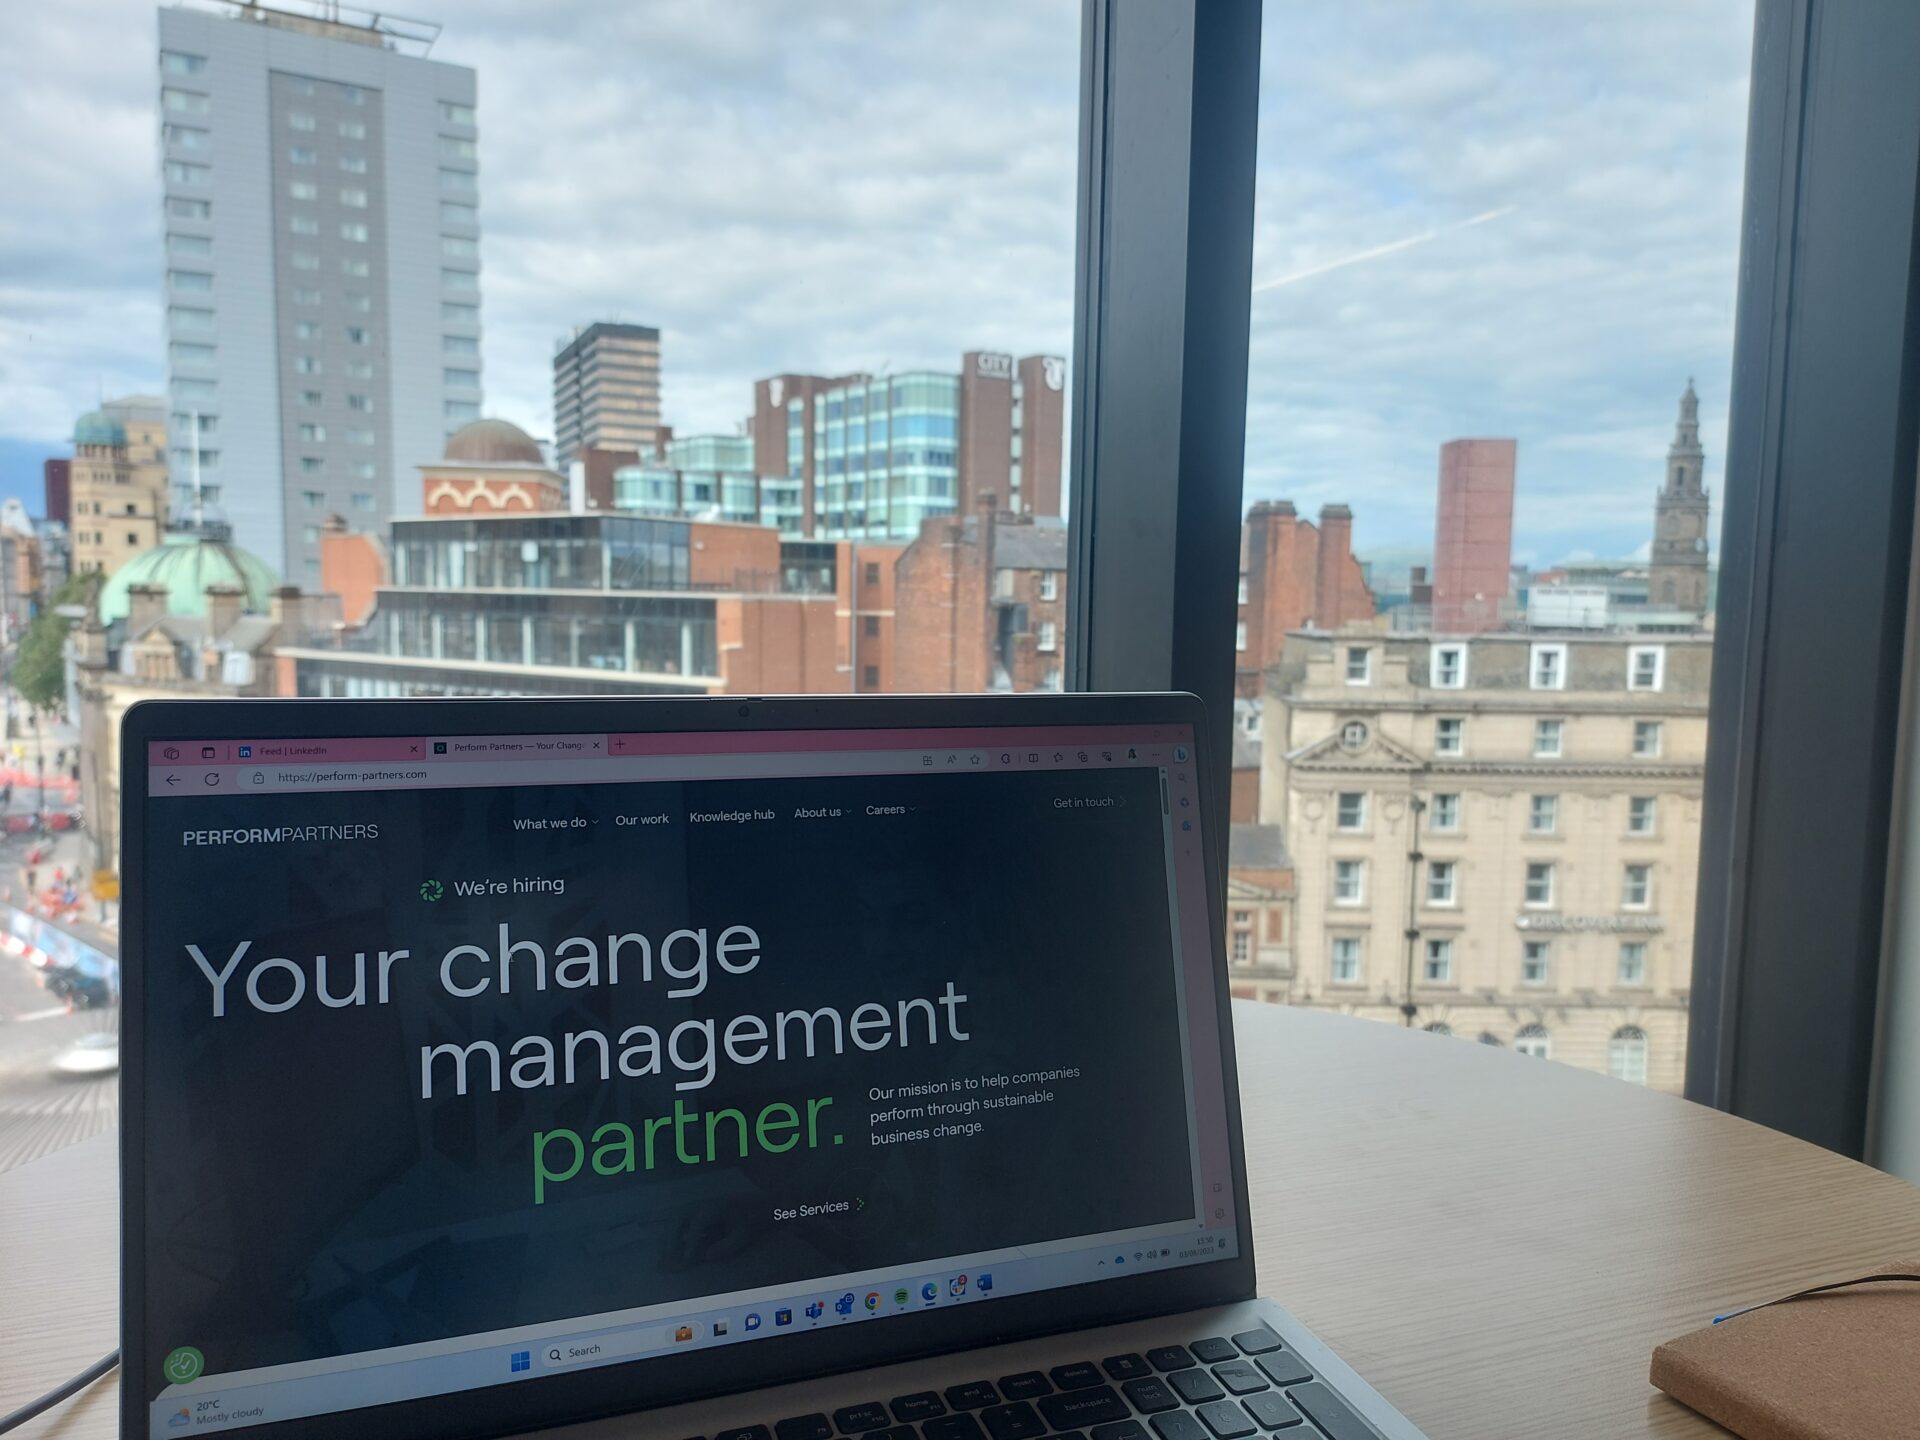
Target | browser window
(508,1055)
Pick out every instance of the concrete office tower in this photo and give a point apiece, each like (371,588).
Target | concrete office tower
(1473,537)
(322,275)
(606,390)
(1679,576)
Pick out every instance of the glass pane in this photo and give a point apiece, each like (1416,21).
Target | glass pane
(803,426)
(1492,328)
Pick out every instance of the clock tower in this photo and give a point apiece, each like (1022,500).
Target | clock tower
(1679,575)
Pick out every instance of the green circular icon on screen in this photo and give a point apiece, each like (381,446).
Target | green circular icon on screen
(431,889)
(184,1364)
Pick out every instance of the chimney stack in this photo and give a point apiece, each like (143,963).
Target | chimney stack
(145,605)
(1336,548)
(223,608)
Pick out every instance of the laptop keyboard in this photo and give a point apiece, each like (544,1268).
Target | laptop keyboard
(1214,1388)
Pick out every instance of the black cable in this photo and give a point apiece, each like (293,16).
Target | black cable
(1796,1295)
(53,1397)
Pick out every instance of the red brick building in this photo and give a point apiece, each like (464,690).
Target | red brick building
(981,604)
(1473,535)
(1294,575)
(491,467)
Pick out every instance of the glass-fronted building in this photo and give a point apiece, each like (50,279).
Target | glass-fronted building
(703,477)
(886,454)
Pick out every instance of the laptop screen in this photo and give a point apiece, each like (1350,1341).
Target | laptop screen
(472,1060)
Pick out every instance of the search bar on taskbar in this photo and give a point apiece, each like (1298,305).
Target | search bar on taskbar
(562,1354)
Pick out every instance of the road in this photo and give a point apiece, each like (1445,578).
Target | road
(39,1110)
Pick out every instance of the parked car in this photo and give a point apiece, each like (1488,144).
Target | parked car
(84,982)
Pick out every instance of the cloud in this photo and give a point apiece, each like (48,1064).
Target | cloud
(857,184)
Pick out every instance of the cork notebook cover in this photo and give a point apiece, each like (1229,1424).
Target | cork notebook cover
(1839,1366)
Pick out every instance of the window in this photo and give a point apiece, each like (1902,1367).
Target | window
(1646,667)
(1533,1040)
(354,232)
(1543,814)
(362,501)
(303,190)
(307,365)
(303,261)
(455,214)
(313,499)
(1353,735)
(355,269)
(457,182)
(305,295)
(453,148)
(1443,814)
(303,155)
(184,102)
(175,62)
(459,279)
(1437,1027)
(360,437)
(1450,667)
(1359,665)
(303,225)
(190,281)
(362,469)
(190,247)
(353,199)
(306,329)
(353,95)
(459,411)
(189,354)
(1627,1055)
(181,208)
(459,247)
(1633,962)
(1243,590)
(1640,814)
(310,534)
(1440,882)
(359,335)
(361,403)
(1242,947)
(458,314)
(1349,882)
(1539,889)
(359,369)
(353,129)
(1636,891)
(1350,810)
(312,465)
(454,113)
(1047,638)
(1438,966)
(313,432)
(1345,968)
(300,120)
(185,172)
(872,573)
(1049,585)
(459,345)
(1548,667)
(1449,736)
(1536,958)
(353,164)
(1240,636)
(360,304)
(1646,738)
(1546,738)
(186,137)
(870,626)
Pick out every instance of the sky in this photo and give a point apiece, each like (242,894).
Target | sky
(1477,217)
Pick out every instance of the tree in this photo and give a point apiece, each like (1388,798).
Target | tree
(40,665)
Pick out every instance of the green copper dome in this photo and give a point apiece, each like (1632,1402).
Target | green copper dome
(96,427)
(187,564)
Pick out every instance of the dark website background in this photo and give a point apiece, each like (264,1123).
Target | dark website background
(303,1202)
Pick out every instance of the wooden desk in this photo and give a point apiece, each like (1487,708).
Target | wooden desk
(1497,1243)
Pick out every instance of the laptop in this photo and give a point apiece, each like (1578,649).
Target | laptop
(746,1069)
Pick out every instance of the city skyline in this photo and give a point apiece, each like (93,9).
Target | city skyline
(1372,342)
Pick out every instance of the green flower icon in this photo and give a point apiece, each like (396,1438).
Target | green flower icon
(431,889)
(184,1364)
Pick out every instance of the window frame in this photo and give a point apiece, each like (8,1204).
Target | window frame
(1539,650)
(1459,650)
(1340,826)
(1559,733)
(1527,902)
(1359,896)
(1659,654)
